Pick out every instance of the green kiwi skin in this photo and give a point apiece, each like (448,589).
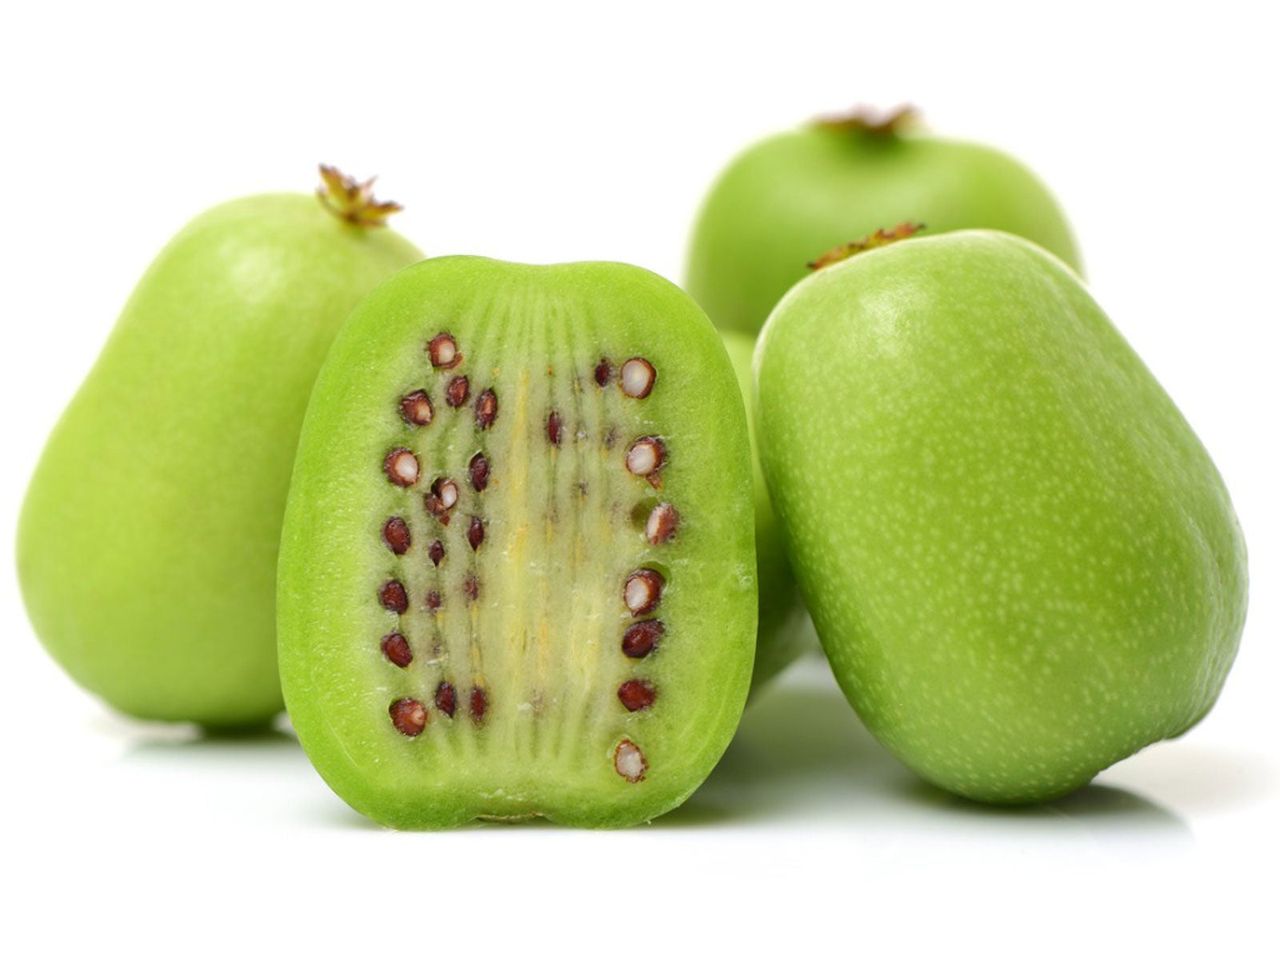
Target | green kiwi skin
(1021,561)
(147,542)
(786,200)
(337,686)
(784,631)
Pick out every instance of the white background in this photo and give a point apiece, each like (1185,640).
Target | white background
(546,133)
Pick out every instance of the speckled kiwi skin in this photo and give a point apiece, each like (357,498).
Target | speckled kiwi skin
(784,631)
(327,552)
(1022,564)
(784,201)
(147,542)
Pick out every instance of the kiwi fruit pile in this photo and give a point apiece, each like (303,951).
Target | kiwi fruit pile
(514,541)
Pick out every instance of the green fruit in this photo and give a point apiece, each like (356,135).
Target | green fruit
(787,199)
(784,632)
(1022,564)
(517,573)
(147,543)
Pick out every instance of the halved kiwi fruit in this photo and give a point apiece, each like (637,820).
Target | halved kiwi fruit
(517,576)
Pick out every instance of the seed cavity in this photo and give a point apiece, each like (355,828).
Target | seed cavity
(393,596)
(441,499)
(395,534)
(409,716)
(446,699)
(456,393)
(637,695)
(643,591)
(662,523)
(478,469)
(486,409)
(443,351)
(640,638)
(401,467)
(416,408)
(629,761)
(396,649)
(638,377)
(646,457)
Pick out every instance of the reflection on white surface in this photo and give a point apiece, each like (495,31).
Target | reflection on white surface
(802,755)
(801,760)
(806,814)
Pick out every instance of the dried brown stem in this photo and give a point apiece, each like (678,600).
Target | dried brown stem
(353,200)
(869,120)
(881,238)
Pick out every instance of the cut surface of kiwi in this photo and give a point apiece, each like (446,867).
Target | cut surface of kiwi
(517,576)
